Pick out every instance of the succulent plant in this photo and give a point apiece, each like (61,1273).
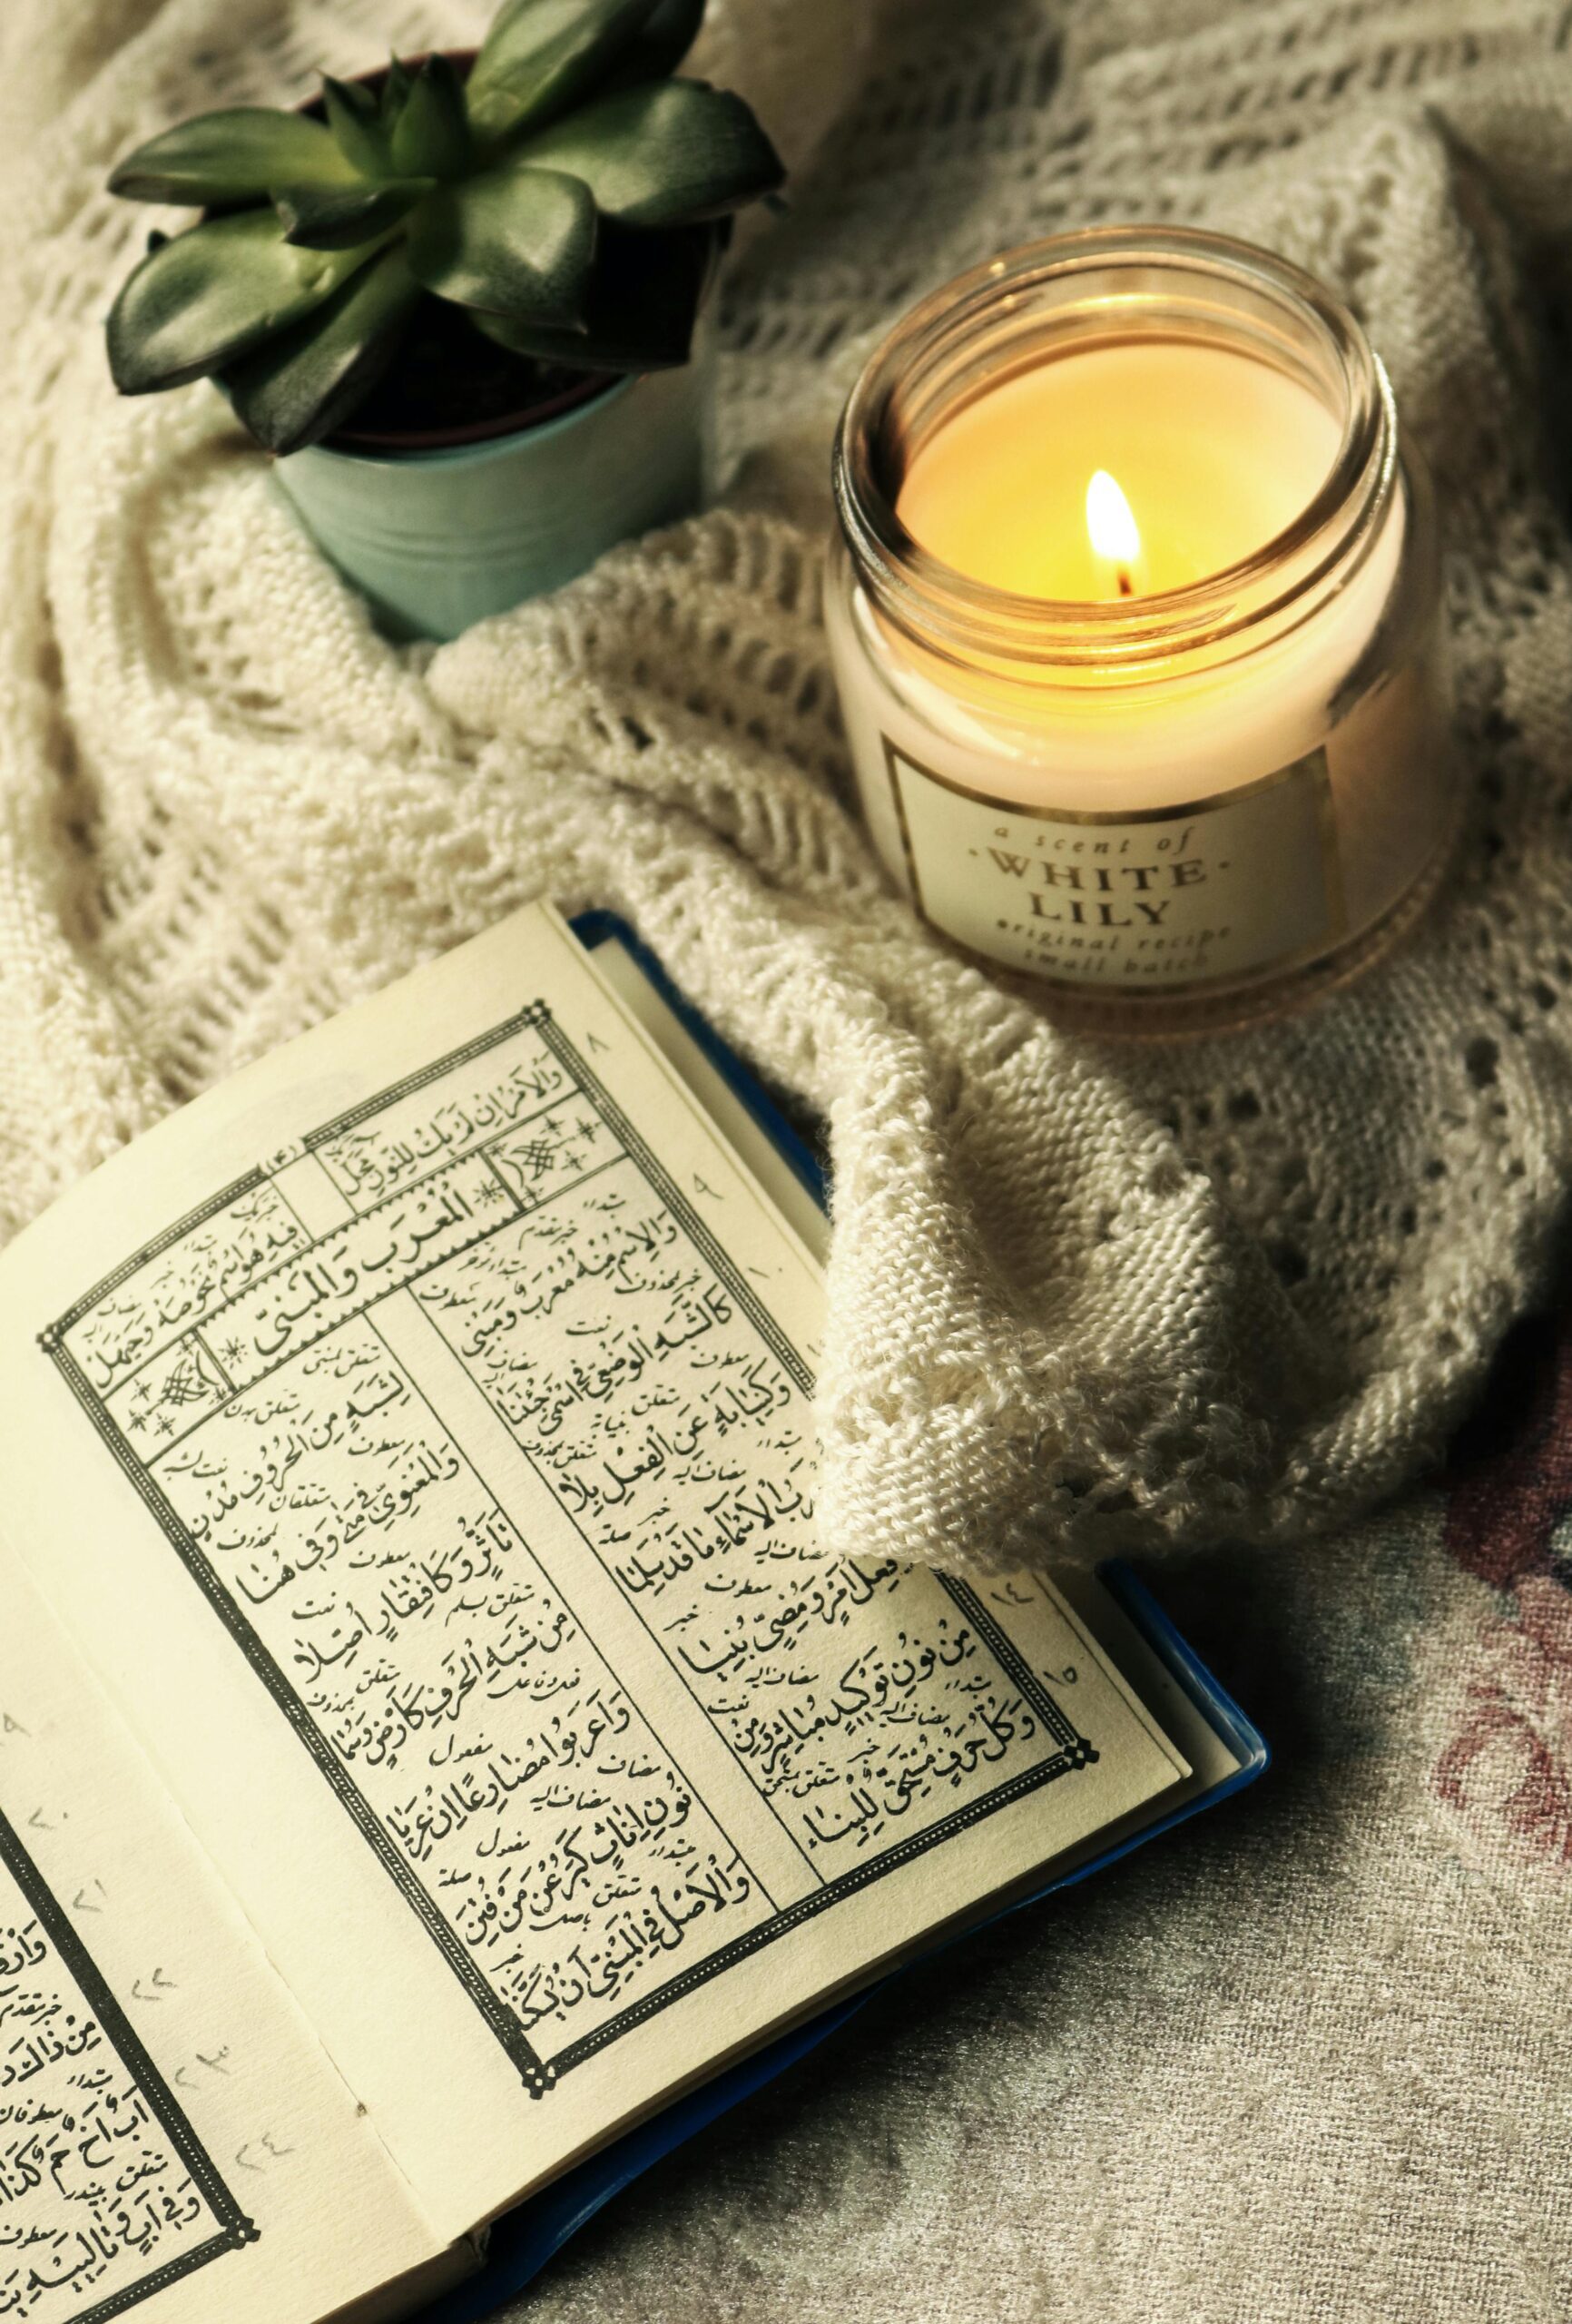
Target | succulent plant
(568,195)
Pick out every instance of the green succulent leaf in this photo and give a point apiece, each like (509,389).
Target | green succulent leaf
(234,157)
(660,47)
(341,219)
(355,121)
(431,137)
(644,306)
(397,84)
(210,295)
(306,382)
(515,241)
(541,55)
(661,156)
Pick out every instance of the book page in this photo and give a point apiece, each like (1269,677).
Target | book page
(420,1441)
(761,1155)
(168,2120)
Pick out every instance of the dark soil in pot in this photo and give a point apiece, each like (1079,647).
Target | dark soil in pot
(451,384)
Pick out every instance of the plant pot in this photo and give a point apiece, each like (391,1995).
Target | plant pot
(441,538)
(439,531)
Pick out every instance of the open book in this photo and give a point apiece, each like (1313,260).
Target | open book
(431,1740)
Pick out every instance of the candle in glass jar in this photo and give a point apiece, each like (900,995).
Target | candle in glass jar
(1135,639)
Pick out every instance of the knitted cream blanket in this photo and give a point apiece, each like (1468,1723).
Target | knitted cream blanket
(1078,1295)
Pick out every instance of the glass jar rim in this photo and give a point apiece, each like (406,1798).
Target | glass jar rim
(1264,593)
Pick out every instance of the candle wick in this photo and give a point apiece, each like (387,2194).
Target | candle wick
(1127,587)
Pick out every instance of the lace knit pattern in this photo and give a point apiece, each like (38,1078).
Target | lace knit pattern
(1080,1295)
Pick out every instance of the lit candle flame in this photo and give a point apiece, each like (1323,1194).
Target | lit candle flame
(1114,535)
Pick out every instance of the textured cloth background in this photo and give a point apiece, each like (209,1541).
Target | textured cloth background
(1309,2061)
(1078,1296)
(1304,2062)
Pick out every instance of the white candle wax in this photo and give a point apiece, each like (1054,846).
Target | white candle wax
(1216,453)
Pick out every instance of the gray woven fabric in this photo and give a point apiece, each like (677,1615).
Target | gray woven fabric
(1302,2063)
(1078,1296)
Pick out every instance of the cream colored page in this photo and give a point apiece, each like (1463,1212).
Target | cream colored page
(617,968)
(421,1446)
(168,2120)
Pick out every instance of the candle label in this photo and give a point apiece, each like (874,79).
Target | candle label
(1151,899)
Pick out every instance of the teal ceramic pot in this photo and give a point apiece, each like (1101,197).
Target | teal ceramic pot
(438,539)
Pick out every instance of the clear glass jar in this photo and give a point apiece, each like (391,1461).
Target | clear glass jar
(1184,806)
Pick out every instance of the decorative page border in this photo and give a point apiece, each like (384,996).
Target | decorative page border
(235,2229)
(537,2071)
